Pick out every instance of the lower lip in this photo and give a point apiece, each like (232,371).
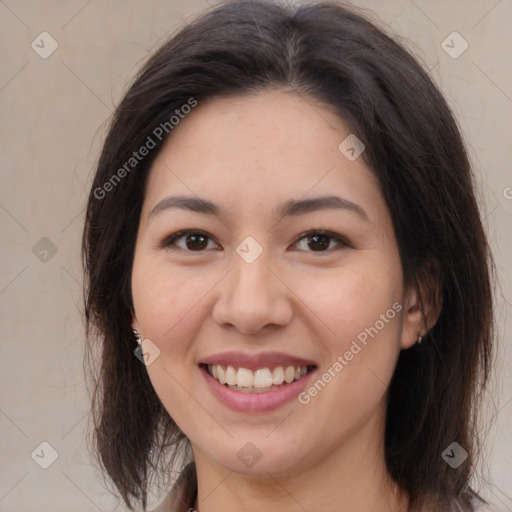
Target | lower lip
(255,402)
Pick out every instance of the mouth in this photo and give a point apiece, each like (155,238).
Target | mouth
(256,383)
(259,380)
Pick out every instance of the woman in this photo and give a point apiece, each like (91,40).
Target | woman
(283,226)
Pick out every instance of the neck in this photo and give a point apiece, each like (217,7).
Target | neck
(352,478)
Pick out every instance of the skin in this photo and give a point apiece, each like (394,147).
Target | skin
(250,154)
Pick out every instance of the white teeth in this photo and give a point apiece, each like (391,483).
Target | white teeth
(244,378)
(231,376)
(261,379)
(278,376)
(289,374)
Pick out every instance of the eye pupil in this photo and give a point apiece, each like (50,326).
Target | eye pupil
(195,246)
(324,243)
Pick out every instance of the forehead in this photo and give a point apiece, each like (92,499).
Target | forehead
(259,125)
(254,151)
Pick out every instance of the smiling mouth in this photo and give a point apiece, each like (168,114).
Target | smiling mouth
(259,381)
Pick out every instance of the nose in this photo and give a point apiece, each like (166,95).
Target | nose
(252,296)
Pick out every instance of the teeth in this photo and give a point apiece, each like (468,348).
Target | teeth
(289,374)
(278,376)
(230,376)
(244,378)
(260,379)
(222,374)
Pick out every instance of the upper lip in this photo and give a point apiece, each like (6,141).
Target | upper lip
(256,361)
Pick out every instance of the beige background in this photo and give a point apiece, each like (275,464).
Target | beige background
(53,115)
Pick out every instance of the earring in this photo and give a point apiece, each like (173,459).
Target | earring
(137,336)
(419,339)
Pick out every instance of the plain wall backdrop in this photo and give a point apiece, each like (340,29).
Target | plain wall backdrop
(54,106)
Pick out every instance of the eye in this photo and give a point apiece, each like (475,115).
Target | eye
(319,240)
(194,240)
(197,241)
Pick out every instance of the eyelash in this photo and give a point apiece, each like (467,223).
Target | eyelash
(170,240)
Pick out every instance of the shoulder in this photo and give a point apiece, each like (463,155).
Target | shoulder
(183,493)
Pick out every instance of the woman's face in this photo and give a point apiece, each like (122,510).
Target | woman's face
(256,291)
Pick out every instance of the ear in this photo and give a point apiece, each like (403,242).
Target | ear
(423,303)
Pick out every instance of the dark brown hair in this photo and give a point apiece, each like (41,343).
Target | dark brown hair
(333,54)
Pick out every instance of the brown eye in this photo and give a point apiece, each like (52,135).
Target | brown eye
(197,241)
(193,241)
(319,241)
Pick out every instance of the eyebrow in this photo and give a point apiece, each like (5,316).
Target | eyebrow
(287,209)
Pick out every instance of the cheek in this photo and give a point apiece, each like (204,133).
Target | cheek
(350,299)
(358,310)
(166,299)
(167,304)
